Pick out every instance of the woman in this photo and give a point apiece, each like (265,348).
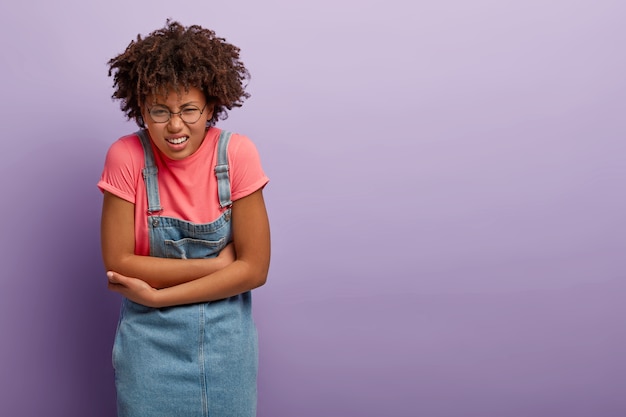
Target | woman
(185,233)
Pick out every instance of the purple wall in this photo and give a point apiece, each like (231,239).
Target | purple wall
(446,196)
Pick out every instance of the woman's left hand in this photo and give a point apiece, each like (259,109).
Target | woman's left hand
(134,289)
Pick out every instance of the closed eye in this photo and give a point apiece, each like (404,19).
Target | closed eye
(190,111)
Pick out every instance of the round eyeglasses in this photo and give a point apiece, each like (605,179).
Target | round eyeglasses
(188,114)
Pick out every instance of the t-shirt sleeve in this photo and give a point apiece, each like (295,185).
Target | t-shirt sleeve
(247,175)
(120,173)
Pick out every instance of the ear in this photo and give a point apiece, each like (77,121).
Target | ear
(210,108)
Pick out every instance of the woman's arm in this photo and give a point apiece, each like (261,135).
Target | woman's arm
(118,250)
(251,236)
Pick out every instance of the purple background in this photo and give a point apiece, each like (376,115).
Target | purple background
(446,196)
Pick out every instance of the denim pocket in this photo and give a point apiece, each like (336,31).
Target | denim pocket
(190,248)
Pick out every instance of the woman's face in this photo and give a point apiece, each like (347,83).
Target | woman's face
(171,121)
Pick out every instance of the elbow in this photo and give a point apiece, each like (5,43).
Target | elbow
(254,270)
(257,276)
(109,264)
(115,263)
(261,280)
(258,279)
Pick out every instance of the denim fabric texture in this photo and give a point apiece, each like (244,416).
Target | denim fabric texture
(196,360)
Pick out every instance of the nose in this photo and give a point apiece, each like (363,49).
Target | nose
(175,122)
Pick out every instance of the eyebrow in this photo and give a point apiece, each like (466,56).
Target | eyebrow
(191,103)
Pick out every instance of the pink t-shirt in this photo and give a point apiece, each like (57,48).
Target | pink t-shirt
(187,187)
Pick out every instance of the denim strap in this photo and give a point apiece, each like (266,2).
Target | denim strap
(221,170)
(150,174)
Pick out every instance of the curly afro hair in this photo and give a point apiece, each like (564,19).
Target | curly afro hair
(179,58)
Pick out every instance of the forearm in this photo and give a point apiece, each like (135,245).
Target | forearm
(118,251)
(236,278)
(247,262)
(165,272)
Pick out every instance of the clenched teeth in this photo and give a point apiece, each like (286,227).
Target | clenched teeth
(177,141)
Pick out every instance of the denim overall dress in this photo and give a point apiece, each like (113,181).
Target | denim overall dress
(196,360)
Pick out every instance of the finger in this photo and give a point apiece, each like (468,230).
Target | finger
(115,278)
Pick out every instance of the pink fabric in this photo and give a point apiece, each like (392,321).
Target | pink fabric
(187,187)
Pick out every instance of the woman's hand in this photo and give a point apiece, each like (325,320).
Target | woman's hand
(134,289)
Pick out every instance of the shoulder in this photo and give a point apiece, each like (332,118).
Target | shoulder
(128,144)
(126,151)
(247,174)
(122,168)
(241,146)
